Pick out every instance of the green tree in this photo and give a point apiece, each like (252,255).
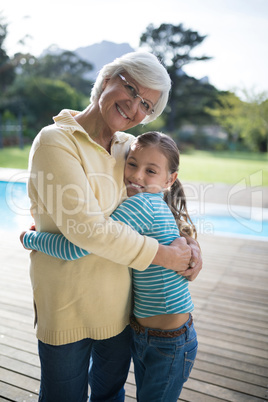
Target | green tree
(255,111)
(39,99)
(65,66)
(35,89)
(192,99)
(7,68)
(245,121)
(174,45)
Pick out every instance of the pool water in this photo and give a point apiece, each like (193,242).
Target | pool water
(14,207)
(15,216)
(213,224)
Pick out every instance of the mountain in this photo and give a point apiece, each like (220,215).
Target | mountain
(102,53)
(97,54)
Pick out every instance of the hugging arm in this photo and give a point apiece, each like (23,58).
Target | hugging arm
(63,198)
(55,245)
(139,251)
(58,246)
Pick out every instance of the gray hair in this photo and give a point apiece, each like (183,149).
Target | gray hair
(145,69)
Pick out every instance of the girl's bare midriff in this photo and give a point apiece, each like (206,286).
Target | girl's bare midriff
(165,321)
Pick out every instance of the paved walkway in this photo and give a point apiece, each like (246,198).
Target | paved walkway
(239,194)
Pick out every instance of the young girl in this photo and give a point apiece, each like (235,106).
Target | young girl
(164,339)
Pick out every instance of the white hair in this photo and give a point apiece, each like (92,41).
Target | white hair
(145,69)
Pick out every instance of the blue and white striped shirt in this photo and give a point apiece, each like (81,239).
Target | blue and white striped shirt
(157,290)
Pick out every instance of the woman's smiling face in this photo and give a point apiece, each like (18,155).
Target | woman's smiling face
(119,110)
(146,171)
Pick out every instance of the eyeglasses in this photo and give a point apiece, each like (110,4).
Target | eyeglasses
(131,91)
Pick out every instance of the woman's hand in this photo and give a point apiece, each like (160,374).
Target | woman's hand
(176,256)
(196,262)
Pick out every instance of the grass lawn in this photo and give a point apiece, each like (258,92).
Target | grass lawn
(14,157)
(224,167)
(201,166)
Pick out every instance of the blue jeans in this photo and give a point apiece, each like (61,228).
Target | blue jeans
(65,372)
(162,365)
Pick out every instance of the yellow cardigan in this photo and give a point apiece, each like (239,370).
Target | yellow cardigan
(74,186)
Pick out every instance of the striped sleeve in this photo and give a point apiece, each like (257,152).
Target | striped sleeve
(55,245)
(137,211)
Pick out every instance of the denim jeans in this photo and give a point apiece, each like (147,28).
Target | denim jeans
(162,365)
(65,372)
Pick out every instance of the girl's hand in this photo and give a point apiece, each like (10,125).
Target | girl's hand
(23,233)
(21,239)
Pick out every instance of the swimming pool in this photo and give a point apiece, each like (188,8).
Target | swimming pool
(217,219)
(232,220)
(14,206)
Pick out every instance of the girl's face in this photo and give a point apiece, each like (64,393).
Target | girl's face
(119,110)
(146,171)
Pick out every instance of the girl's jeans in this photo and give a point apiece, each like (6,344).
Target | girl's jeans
(65,372)
(162,364)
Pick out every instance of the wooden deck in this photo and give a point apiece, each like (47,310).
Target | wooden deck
(231,318)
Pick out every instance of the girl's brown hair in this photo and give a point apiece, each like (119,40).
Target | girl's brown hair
(174,196)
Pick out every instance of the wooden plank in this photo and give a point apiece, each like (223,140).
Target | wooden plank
(26,326)
(234,355)
(219,391)
(13,393)
(188,395)
(17,333)
(205,326)
(20,367)
(257,355)
(19,344)
(19,355)
(21,381)
(231,318)
(254,347)
(212,356)
(229,383)
(227,371)
(235,319)
(238,322)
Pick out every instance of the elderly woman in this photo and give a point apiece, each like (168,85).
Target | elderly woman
(76,181)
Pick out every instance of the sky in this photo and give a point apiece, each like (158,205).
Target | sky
(236,30)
